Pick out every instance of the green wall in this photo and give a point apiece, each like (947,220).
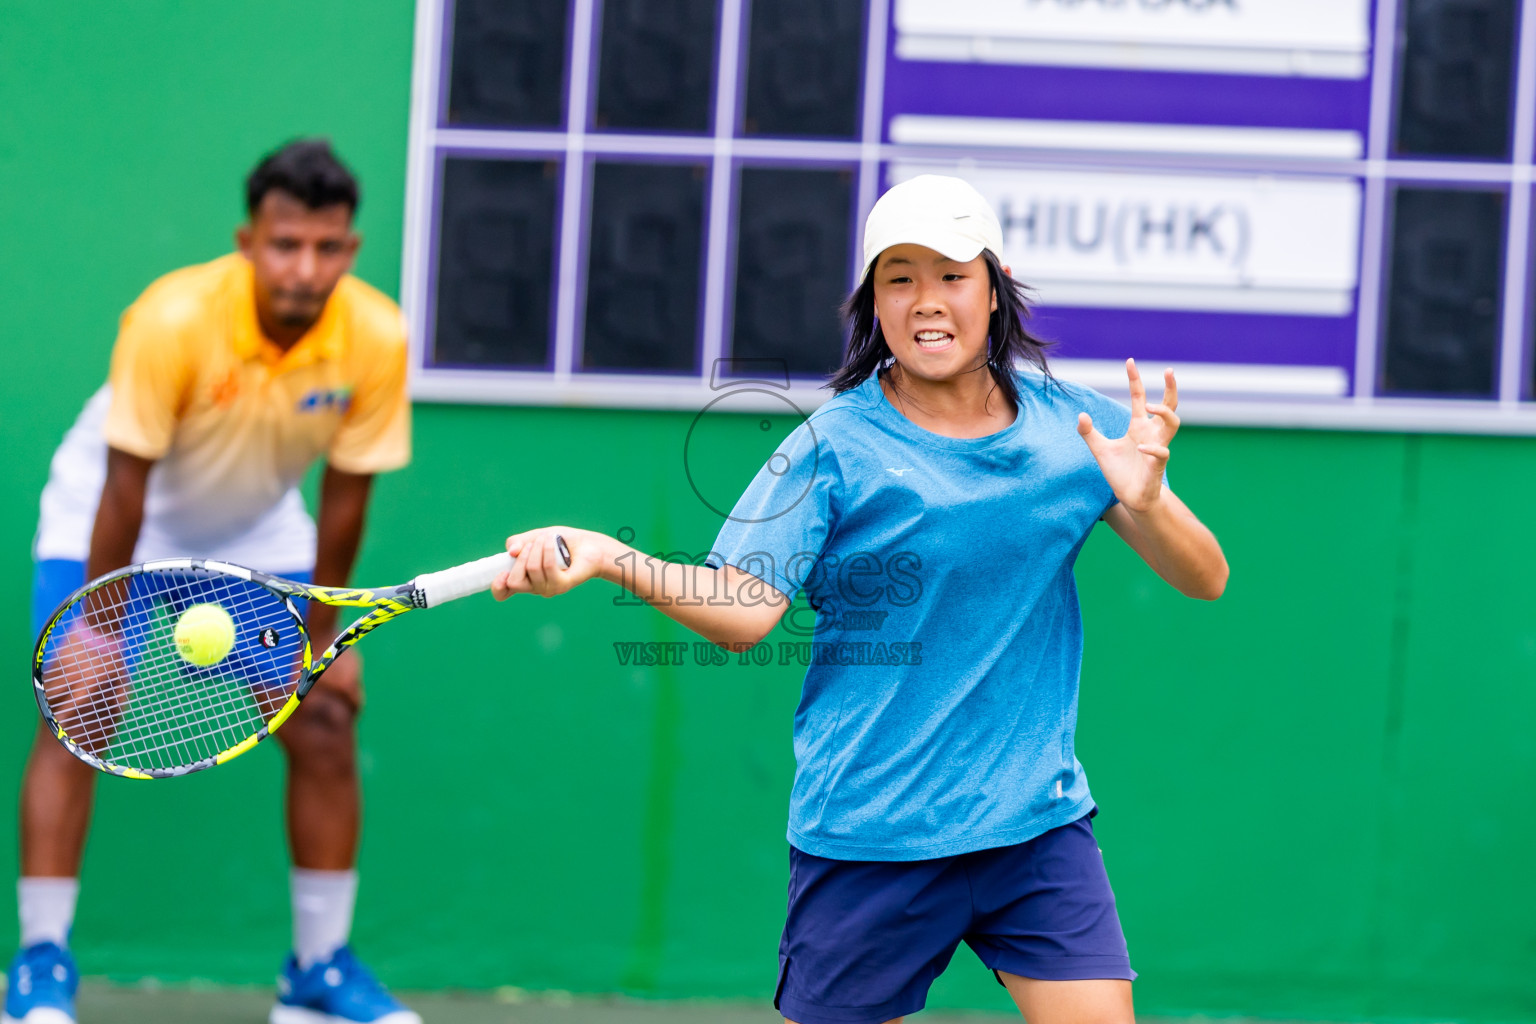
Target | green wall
(1316,792)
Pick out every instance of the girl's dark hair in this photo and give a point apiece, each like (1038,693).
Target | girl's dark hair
(1009,343)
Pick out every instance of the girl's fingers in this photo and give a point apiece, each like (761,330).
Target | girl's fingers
(533,557)
(1170,389)
(517,580)
(500,589)
(1169,418)
(1157,451)
(1085,425)
(537,566)
(1138,390)
(544,562)
(1089,432)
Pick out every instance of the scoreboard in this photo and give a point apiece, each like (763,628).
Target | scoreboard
(1317,211)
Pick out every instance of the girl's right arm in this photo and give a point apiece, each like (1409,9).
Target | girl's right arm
(725,606)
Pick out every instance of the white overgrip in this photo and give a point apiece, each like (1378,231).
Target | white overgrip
(462,580)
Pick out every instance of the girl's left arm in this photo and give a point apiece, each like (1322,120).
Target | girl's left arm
(1177,546)
(1149,517)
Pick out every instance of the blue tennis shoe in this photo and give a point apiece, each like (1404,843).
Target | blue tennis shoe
(40,986)
(338,991)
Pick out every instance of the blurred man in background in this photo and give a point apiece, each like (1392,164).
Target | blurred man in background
(228,380)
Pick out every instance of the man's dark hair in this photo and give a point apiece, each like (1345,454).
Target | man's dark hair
(306,169)
(1009,343)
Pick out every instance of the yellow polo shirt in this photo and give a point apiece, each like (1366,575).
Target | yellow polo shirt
(233,421)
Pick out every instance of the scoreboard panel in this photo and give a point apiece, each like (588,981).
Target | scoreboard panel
(1317,211)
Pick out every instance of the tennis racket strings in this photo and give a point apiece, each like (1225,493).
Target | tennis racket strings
(118,684)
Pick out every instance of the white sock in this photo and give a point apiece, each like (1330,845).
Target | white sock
(46,907)
(322,913)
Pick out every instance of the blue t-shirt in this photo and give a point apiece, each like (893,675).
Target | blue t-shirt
(940,696)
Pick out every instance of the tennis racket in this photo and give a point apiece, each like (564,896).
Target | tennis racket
(119,691)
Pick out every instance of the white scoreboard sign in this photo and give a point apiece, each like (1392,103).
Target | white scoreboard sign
(1329,38)
(1252,244)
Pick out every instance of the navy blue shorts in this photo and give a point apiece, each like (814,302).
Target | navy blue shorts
(865,939)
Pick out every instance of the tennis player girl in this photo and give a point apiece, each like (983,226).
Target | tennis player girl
(936,800)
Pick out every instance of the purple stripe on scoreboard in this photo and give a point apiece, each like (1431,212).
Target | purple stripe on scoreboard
(1152,97)
(1171,336)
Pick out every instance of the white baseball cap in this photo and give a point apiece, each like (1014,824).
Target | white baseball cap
(945,214)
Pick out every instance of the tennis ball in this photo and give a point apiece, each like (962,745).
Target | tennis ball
(205,634)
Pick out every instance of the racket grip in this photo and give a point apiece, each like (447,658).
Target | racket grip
(473,577)
(462,580)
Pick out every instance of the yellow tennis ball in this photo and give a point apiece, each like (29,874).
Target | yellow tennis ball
(205,634)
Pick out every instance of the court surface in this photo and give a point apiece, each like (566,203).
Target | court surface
(106,1004)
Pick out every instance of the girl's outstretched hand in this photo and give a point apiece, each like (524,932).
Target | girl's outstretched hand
(538,569)
(1133,465)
